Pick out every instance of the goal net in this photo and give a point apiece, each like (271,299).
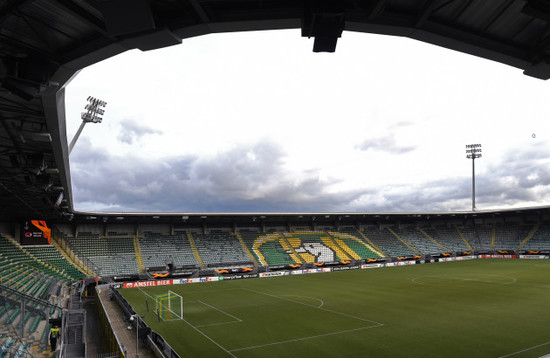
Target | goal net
(169,306)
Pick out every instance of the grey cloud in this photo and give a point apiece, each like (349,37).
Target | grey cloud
(385,144)
(505,184)
(253,179)
(244,179)
(132,131)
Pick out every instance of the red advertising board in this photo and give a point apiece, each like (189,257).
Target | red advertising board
(148,283)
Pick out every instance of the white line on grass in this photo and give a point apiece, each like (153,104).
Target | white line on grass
(302,339)
(313,298)
(210,339)
(525,350)
(198,330)
(479,278)
(376,324)
(222,311)
(215,324)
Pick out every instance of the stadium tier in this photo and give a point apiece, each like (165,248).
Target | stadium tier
(540,239)
(131,254)
(114,255)
(389,241)
(175,248)
(34,285)
(220,249)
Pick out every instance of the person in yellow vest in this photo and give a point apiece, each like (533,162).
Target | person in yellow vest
(54,335)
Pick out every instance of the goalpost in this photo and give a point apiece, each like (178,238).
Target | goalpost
(169,306)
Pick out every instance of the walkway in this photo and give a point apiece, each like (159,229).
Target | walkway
(127,337)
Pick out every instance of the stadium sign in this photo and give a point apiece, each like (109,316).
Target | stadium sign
(369,266)
(148,283)
(35,232)
(343,268)
(273,274)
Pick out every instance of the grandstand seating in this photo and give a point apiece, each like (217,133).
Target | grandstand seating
(479,236)
(52,256)
(540,239)
(387,242)
(268,248)
(279,248)
(419,241)
(449,237)
(220,249)
(174,247)
(37,282)
(114,255)
(510,236)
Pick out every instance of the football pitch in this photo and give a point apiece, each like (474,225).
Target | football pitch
(478,308)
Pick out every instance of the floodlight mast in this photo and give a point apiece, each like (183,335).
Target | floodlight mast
(473,151)
(94,111)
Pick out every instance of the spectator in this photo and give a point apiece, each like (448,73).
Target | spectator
(54,335)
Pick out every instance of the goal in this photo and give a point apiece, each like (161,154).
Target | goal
(169,306)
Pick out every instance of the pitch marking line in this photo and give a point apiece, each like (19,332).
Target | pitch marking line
(373,325)
(198,330)
(302,339)
(210,339)
(313,298)
(525,350)
(235,319)
(376,324)
(475,278)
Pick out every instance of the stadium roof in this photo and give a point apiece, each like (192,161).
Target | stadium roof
(44,43)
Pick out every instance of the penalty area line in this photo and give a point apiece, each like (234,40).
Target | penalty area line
(210,339)
(375,324)
(525,350)
(237,319)
(302,338)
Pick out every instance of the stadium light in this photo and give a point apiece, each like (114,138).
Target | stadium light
(473,151)
(135,317)
(94,111)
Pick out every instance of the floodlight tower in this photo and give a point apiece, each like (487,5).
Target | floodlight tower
(94,111)
(473,151)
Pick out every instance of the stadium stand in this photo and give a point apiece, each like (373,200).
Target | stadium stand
(39,274)
(449,237)
(420,241)
(123,253)
(53,257)
(357,246)
(220,249)
(175,248)
(268,248)
(540,239)
(480,237)
(510,236)
(113,255)
(387,242)
(34,284)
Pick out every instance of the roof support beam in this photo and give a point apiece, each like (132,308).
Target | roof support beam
(11,9)
(200,11)
(84,15)
(429,8)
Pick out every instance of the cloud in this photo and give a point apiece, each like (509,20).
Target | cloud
(520,179)
(247,178)
(385,144)
(254,178)
(132,131)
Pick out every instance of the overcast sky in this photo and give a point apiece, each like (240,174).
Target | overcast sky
(257,122)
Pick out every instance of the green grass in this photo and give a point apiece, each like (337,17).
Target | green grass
(478,308)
